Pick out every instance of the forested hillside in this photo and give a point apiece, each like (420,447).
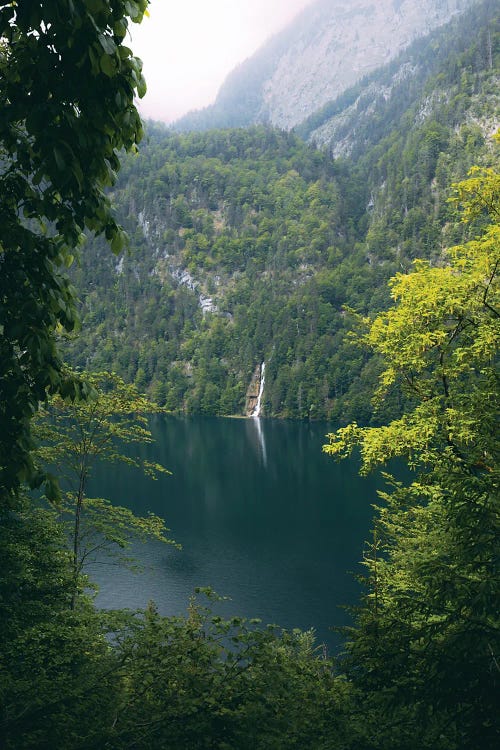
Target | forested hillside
(251,246)
(257,219)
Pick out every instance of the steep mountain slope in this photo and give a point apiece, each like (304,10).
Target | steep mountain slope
(238,238)
(251,246)
(367,112)
(330,46)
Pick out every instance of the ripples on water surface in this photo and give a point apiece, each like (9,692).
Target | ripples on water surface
(263,516)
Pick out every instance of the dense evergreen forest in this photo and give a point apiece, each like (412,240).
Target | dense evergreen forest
(249,245)
(291,251)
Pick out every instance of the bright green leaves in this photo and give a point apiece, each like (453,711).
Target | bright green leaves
(439,342)
(480,194)
(118,242)
(425,650)
(92,411)
(95,417)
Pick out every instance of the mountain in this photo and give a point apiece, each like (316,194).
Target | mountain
(368,111)
(252,245)
(329,47)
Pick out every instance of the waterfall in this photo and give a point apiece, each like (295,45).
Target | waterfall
(256,411)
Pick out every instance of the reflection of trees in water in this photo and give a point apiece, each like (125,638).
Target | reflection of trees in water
(263,516)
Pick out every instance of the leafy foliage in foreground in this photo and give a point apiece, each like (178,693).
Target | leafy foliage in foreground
(59,145)
(77,678)
(73,435)
(205,682)
(72,676)
(57,674)
(424,654)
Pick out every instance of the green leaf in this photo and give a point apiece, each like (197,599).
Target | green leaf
(108,65)
(59,158)
(117,242)
(107,44)
(141,87)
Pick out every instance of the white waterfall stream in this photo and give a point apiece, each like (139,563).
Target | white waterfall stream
(256,411)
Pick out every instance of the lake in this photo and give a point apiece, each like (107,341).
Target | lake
(263,516)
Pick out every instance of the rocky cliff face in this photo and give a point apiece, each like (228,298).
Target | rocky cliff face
(252,394)
(342,42)
(329,47)
(367,112)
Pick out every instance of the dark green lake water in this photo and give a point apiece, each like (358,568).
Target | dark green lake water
(263,516)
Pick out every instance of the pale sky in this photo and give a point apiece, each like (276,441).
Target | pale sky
(189,46)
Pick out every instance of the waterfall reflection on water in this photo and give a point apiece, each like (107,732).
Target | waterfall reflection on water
(261,439)
(263,515)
